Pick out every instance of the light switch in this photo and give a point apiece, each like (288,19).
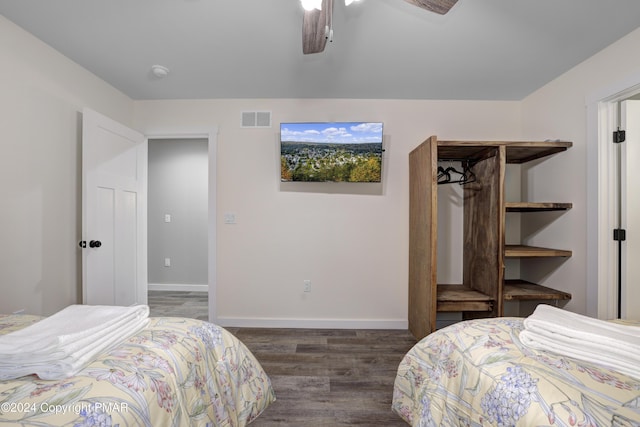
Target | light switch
(167,217)
(229,218)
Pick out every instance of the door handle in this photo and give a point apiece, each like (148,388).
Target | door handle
(95,243)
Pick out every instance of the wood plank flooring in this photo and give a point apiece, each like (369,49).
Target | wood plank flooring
(322,377)
(328,377)
(194,305)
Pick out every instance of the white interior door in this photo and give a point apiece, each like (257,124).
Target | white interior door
(114,173)
(630,115)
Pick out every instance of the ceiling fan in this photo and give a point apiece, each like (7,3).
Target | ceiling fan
(316,23)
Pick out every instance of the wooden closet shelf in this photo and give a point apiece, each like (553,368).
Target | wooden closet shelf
(516,151)
(461,298)
(536,206)
(526,291)
(519,251)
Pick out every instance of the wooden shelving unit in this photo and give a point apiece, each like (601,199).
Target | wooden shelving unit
(484,288)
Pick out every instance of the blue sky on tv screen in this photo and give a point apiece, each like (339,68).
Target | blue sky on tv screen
(336,132)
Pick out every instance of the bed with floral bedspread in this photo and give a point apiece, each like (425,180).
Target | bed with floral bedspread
(175,372)
(478,373)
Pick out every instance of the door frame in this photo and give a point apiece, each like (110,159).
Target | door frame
(211,134)
(602,121)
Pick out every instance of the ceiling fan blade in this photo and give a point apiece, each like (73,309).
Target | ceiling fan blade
(437,6)
(314,22)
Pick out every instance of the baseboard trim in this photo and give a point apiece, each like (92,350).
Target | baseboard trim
(312,323)
(177,287)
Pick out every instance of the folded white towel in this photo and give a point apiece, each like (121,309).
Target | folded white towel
(609,344)
(61,345)
(67,326)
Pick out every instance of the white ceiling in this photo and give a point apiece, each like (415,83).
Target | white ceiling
(481,49)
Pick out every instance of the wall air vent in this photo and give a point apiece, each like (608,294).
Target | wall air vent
(256,119)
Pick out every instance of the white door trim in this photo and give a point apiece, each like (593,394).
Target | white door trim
(602,119)
(212,135)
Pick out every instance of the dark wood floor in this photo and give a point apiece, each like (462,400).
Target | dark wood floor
(178,304)
(329,377)
(322,377)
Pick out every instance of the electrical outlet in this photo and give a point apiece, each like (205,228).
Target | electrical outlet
(307,285)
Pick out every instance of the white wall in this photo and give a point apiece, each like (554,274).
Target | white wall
(42,96)
(353,247)
(558,110)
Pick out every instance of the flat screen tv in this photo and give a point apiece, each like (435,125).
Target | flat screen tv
(331,152)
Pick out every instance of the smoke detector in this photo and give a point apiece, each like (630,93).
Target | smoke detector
(160,71)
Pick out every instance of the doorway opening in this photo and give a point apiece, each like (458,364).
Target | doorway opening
(177,223)
(609,207)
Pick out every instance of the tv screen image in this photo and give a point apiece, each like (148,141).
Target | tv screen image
(331,152)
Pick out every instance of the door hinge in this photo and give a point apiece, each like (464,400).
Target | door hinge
(619,235)
(619,136)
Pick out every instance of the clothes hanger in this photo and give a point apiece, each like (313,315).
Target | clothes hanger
(465,176)
(444,176)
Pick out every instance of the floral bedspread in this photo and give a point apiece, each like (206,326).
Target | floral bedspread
(176,372)
(477,373)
